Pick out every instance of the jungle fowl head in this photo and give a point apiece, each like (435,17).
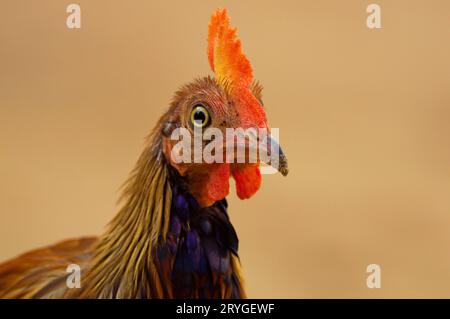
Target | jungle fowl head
(220,117)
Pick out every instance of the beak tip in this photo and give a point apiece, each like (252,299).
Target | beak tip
(283,165)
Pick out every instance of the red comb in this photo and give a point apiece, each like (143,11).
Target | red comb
(232,68)
(225,54)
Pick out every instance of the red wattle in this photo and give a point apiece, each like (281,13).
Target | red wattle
(248,179)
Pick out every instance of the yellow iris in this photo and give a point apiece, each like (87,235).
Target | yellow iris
(199,116)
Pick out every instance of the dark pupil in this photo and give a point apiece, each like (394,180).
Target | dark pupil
(199,116)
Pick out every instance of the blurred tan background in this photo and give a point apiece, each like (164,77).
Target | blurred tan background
(363,115)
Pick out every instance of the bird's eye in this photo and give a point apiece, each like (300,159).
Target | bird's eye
(199,116)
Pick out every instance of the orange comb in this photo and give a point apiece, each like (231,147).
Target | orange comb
(232,69)
(225,54)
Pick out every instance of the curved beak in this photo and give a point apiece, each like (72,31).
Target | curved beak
(265,149)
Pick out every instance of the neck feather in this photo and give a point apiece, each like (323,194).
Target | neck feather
(123,264)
